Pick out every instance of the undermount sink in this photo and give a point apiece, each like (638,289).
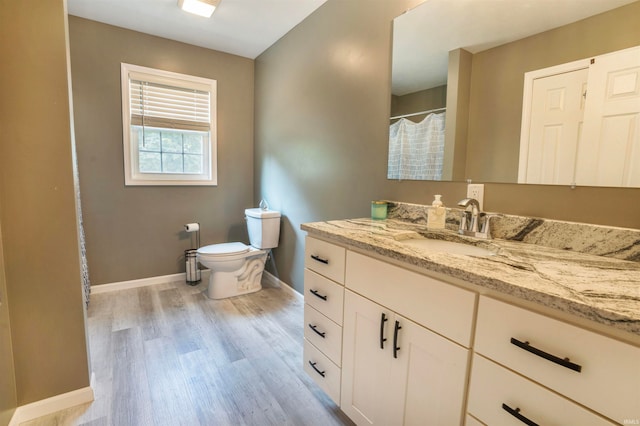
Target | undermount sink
(442,246)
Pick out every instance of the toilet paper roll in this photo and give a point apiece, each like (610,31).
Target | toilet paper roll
(192,227)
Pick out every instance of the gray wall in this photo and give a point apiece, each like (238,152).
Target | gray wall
(137,232)
(322,111)
(322,116)
(41,264)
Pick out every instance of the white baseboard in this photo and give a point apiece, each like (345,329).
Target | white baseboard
(271,279)
(267,277)
(143,282)
(36,409)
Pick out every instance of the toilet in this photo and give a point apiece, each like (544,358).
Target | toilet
(235,267)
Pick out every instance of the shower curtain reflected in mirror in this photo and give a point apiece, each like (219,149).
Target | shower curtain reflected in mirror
(416,150)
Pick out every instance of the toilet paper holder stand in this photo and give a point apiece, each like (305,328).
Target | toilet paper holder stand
(192,272)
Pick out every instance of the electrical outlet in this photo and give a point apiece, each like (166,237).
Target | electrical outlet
(476,190)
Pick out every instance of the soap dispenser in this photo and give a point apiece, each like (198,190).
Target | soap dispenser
(436,214)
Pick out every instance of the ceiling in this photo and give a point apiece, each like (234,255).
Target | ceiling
(240,27)
(424,36)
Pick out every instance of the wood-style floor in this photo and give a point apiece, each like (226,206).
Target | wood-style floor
(167,355)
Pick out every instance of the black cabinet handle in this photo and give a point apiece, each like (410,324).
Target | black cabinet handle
(383,339)
(319,333)
(319,259)
(396,348)
(315,293)
(313,365)
(516,413)
(542,354)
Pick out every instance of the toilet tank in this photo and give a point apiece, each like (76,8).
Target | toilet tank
(263,227)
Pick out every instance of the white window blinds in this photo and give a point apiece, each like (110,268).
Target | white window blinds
(169,127)
(155,104)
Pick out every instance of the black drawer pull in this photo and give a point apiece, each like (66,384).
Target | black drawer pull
(319,259)
(516,413)
(313,365)
(315,293)
(560,361)
(315,328)
(383,339)
(396,348)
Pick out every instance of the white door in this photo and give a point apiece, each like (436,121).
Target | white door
(557,107)
(365,365)
(429,375)
(609,151)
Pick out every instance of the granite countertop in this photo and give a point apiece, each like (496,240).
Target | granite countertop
(602,289)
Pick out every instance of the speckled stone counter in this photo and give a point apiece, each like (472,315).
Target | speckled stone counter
(609,241)
(600,288)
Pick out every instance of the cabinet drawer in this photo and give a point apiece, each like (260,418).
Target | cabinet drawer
(324,295)
(325,334)
(438,306)
(324,372)
(609,377)
(325,258)
(493,385)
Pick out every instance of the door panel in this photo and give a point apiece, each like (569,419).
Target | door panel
(557,109)
(609,152)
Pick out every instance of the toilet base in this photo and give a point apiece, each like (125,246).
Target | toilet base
(235,283)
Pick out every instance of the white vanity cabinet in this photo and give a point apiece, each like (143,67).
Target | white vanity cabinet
(396,367)
(323,296)
(395,347)
(577,365)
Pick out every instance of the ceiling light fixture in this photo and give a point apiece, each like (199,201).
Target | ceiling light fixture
(203,8)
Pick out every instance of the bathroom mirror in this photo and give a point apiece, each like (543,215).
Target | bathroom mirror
(502,41)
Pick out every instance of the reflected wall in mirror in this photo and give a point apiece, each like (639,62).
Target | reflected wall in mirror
(485,83)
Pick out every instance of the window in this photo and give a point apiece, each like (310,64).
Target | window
(169,128)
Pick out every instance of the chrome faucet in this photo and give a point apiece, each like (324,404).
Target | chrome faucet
(470,220)
(469,225)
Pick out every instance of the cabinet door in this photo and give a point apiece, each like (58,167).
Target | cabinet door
(365,364)
(429,375)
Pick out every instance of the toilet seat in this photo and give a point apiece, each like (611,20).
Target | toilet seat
(224,249)
(225,252)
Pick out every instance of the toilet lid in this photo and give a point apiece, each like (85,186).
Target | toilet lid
(262,214)
(224,249)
